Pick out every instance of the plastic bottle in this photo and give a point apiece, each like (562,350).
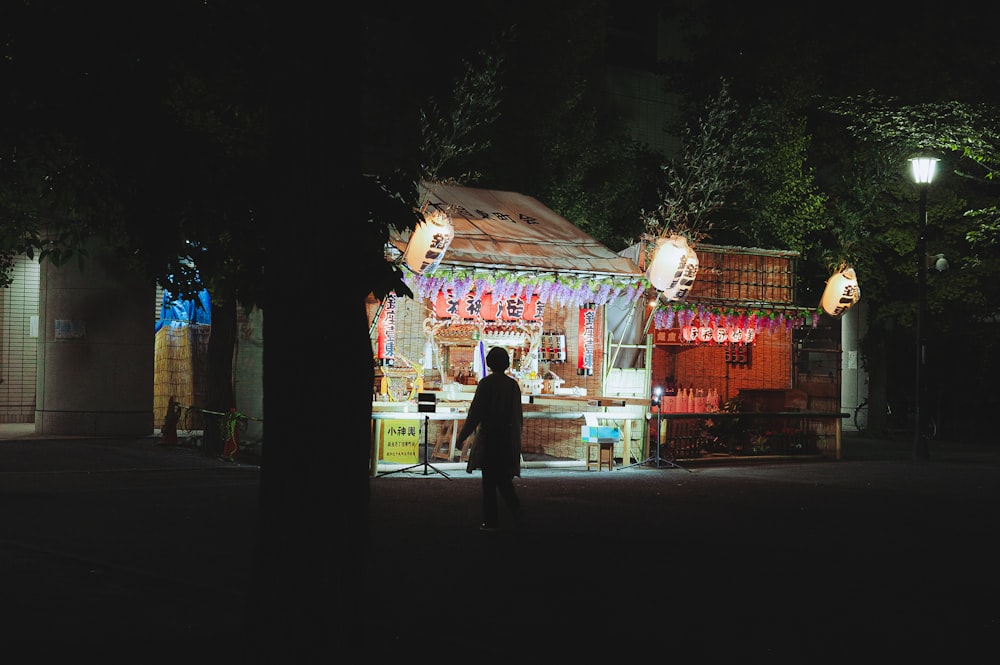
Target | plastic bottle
(698,405)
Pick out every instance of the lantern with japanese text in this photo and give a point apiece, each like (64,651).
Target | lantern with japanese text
(673,268)
(429,241)
(386,346)
(841,292)
(585,340)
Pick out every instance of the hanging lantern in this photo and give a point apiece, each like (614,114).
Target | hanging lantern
(386,347)
(429,241)
(841,292)
(585,340)
(668,258)
(688,273)
(673,268)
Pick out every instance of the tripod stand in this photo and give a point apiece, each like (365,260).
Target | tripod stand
(425,464)
(655,457)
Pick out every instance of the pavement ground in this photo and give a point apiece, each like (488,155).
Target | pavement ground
(119,543)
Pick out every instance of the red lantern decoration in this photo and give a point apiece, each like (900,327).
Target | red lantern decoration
(473,306)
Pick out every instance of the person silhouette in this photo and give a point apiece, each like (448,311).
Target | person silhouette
(496,417)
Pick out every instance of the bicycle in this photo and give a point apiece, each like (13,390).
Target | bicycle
(906,421)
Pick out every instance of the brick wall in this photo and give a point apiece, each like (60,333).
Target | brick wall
(704,365)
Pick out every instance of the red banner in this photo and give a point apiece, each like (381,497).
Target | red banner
(474,306)
(387,329)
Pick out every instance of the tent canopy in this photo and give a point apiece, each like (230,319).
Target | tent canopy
(179,312)
(501,230)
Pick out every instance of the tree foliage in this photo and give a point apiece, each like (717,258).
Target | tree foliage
(154,142)
(455,130)
(969,132)
(697,184)
(780,200)
(740,178)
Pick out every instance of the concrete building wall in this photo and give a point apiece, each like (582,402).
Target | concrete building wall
(95,350)
(19,343)
(854,382)
(248,370)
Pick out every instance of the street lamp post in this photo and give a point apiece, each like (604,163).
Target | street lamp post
(923,174)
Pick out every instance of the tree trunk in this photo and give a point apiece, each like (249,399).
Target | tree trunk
(877,382)
(309,568)
(220,395)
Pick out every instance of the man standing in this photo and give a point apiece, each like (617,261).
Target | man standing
(496,449)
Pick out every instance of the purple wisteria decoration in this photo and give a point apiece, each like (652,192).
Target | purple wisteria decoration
(549,287)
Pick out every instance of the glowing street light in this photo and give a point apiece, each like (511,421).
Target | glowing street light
(923,174)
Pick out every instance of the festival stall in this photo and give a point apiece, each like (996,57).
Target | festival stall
(738,367)
(709,340)
(497,268)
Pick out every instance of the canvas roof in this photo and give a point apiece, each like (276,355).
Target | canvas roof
(502,230)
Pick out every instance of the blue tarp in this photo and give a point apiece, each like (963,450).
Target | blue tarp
(184,312)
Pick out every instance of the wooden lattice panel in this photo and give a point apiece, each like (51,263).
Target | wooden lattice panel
(728,274)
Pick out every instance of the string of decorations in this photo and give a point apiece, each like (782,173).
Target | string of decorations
(560,289)
(569,290)
(685,315)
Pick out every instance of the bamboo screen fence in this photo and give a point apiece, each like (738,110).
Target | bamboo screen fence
(179,371)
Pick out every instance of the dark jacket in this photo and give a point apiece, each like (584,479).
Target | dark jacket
(496,412)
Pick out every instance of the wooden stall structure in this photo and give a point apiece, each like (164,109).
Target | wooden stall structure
(518,276)
(771,364)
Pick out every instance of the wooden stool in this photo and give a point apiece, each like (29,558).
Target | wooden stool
(599,454)
(606,455)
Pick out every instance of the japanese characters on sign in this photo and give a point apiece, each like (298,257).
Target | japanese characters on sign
(387,331)
(721,335)
(585,340)
(400,441)
(462,211)
(474,306)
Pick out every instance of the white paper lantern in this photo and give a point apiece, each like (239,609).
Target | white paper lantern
(673,268)
(667,258)
(841,292)
(429,241)
(679,291)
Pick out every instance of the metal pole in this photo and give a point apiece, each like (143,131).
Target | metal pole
(919,441)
